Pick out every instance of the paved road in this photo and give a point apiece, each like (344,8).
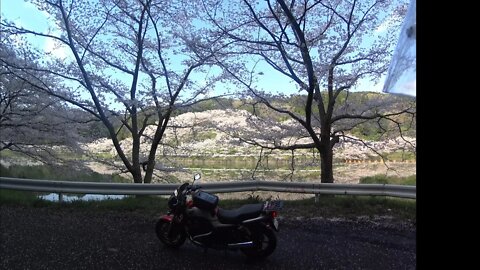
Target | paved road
(48,238)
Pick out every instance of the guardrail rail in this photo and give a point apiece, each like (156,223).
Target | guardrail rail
(60,187)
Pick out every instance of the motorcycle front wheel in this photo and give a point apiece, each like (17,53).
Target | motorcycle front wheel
(264,243)
(170,235)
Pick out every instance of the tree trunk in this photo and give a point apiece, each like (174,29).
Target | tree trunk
(149,172)
(326,174)
(137,175)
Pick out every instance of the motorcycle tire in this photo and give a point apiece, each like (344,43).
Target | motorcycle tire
(177,236)
(265,242)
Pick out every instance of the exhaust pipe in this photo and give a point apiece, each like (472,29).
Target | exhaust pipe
(201,235)
(241,245)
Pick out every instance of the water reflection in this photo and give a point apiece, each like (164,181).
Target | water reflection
(54,197)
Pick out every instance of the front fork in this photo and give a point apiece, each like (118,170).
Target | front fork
(171,220)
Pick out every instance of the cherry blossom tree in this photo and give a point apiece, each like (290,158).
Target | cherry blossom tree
(32,122)
(325,48)
(128,61)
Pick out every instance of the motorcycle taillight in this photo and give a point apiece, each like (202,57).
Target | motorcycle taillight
(274,214)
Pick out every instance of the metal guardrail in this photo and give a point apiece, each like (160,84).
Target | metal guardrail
(219,187)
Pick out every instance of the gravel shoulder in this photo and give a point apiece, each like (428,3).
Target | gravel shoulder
(72,238)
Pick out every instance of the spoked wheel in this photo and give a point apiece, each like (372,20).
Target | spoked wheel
(170,235)
(264,243)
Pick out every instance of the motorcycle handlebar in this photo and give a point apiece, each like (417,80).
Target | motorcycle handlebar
(195,187)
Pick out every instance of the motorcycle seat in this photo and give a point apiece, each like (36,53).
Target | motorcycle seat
(236,216)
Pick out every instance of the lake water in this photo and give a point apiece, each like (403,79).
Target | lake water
(53,197)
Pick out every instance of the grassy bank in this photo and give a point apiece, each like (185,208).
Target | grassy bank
(59,173)
(327,206)
(393,180)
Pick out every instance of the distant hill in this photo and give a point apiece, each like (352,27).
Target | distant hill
(355,100)
(220,133)
(369,130)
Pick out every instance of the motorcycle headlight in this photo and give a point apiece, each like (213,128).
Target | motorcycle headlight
(172,202)
(175,192)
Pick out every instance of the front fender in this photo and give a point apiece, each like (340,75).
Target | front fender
(167,218)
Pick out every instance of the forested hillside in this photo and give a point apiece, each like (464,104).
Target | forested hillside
(369,130)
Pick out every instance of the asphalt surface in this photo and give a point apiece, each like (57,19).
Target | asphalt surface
(49,238)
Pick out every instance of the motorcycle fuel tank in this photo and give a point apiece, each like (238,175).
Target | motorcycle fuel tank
(204,200)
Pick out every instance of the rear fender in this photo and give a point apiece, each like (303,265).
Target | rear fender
(273,224)
(266,220)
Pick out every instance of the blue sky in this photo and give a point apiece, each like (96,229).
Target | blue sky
(26,15)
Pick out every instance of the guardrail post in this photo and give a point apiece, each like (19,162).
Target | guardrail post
(60,197)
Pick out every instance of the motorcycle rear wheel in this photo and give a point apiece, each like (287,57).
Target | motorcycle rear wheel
(171,239)
(265,242)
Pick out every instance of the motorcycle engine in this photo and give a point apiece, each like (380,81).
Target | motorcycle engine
(200,221)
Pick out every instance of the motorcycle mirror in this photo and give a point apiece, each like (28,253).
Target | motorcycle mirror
(196,177)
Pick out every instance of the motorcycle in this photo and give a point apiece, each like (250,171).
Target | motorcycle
(195,214)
